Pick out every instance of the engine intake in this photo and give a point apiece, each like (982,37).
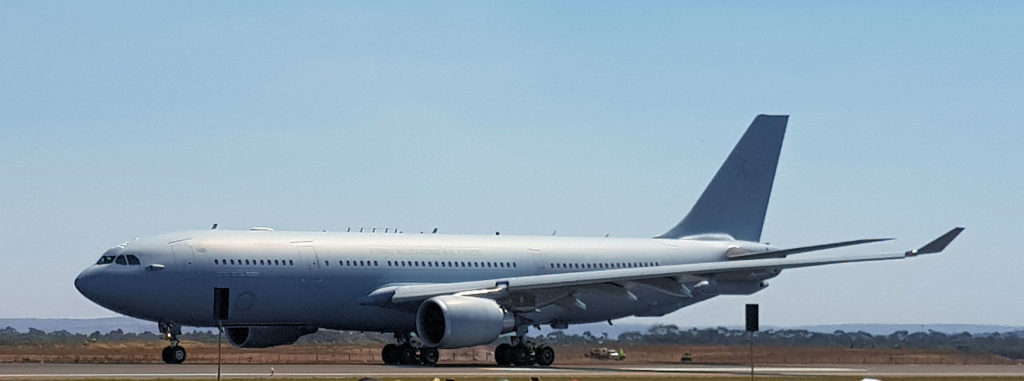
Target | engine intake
(461,321)
(266,337)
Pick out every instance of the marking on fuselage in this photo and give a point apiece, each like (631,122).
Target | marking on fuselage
(245,301)
(238,273)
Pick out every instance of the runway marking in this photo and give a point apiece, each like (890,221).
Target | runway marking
(716,369)
(535,370)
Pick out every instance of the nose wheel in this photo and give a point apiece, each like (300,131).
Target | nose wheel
(174,353)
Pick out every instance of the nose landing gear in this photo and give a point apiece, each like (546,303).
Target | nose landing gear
(174,353)
(409,352)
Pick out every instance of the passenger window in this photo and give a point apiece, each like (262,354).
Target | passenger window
(291,262)
(133,260)
(120,260)
(105,260)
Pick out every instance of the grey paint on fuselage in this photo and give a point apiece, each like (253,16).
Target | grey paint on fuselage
(319,289)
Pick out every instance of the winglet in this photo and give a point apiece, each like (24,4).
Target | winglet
(938,244)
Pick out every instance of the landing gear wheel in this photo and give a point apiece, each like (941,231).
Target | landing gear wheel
(407,355)
(520,355)
(545,356)
(429,356)
(501,354)
(174,355)
(390,355)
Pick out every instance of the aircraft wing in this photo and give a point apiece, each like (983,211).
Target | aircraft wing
(498,287)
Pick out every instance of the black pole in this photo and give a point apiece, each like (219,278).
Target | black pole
(221,303)
(751,336)
(752,326)
(220,332)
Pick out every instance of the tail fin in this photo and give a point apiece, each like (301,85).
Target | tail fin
(737,198)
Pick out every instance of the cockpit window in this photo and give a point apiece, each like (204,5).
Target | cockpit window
(132,260)
(105,260)
(120,260)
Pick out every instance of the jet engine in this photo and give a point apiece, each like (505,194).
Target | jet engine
(265,337)
(461,321)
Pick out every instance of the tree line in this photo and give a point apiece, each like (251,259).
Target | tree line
(1007,344)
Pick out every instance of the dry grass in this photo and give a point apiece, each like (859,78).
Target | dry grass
(619,378)
(149,352)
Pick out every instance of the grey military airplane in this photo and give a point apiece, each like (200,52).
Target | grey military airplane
(266,288)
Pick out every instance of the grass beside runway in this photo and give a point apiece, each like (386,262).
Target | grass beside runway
(587,378)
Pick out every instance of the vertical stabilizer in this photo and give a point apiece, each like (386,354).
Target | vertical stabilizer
(737,198)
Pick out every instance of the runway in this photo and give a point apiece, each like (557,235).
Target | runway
(142,371)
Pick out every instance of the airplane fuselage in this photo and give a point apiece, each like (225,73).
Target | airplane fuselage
(322,279)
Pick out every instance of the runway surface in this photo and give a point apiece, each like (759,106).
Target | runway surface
(137,371)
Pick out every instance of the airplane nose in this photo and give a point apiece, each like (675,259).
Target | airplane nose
(86,283)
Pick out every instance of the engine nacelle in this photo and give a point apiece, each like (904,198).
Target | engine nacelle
(265,337)
(461,321)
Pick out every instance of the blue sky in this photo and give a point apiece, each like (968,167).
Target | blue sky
(126,119)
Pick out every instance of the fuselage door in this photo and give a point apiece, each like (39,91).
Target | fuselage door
(183,254)
(310,259)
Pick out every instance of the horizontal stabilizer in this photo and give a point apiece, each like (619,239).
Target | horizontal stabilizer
(805,249)
(938,244)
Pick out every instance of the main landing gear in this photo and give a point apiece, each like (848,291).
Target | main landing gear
(174,353)
(523,353)
(409,352)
